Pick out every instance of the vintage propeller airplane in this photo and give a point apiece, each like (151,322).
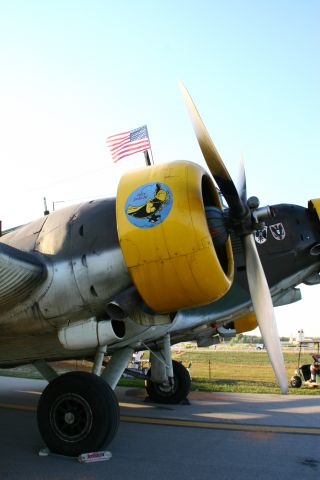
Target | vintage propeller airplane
(161,263)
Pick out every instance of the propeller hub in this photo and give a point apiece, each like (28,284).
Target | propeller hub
(253,203)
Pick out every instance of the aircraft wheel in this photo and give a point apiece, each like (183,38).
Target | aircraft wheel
(78,412)
(171,394)
(295,381)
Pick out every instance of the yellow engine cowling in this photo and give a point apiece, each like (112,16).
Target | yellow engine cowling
(165,239)
(246,323)
(314,204)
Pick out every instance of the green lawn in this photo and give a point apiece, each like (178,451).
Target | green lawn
(239,371)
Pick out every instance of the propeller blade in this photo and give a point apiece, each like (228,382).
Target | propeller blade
(213,159)
(262,304)
(240,213)
(242,182)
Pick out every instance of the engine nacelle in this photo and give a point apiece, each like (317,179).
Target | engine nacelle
(165,238)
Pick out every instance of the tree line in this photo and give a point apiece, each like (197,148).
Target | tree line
(252,339)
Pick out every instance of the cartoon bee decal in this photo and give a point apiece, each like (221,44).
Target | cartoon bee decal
(149,205)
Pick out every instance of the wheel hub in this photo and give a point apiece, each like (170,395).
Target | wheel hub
(167,388)
(71,417)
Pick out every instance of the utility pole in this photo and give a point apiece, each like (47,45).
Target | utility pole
(46,211)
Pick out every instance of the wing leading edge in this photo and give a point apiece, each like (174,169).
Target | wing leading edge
(20,273)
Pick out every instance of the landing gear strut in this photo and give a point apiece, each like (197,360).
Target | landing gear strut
(77,412)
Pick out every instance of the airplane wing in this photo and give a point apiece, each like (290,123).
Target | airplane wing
(20,273)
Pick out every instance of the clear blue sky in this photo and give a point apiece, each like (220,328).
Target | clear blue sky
(74,72)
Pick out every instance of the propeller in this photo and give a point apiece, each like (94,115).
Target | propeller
(243,223)
(242,182)
(213,159)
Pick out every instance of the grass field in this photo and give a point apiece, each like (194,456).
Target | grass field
(216,370)
(239,371)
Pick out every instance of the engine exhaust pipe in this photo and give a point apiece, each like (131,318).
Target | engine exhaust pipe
(91,334)
(123,304)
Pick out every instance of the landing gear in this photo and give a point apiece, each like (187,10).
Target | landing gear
(174,390)
(78,412)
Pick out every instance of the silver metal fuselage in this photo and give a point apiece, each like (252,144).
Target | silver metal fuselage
(84,267)
(84,270)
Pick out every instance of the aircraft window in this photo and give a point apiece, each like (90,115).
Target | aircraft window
(93,291)
(84,260)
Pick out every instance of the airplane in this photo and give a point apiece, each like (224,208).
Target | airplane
(165,261)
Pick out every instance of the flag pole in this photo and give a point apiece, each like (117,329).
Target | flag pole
(146,153)
(147,158)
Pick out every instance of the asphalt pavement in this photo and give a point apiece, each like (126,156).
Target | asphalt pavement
(216,435)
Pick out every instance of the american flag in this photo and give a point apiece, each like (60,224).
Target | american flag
(128,143)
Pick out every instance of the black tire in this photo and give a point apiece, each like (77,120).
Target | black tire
(78,412)
(174,394)
(296,381)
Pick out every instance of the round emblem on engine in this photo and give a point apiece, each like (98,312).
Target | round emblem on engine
(149,205)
